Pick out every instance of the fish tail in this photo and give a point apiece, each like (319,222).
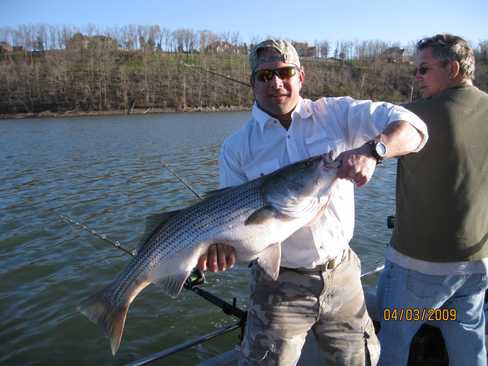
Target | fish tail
(110,318)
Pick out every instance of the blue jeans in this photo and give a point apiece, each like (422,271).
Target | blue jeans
(453,303)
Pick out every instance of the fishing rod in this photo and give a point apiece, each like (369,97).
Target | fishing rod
(217,74)
(195,279)
(185,183)
(104,237)
(169,351)
(373,271)
(188,344)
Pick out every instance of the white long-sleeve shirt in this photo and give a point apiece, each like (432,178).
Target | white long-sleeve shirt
(263,145)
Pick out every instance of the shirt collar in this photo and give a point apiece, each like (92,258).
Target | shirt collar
(302,109)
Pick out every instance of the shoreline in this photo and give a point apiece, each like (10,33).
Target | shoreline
(119,112)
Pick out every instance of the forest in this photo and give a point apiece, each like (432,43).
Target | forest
(63,70)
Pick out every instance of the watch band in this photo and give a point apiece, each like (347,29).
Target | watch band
(378,150)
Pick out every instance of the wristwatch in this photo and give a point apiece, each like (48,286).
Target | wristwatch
(378,150)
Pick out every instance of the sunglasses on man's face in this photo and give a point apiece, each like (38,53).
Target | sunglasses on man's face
(283,73)
(422,70)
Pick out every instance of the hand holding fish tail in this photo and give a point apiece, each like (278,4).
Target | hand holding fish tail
(357,165)
(219,257)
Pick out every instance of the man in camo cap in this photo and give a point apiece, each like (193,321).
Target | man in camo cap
(319,287)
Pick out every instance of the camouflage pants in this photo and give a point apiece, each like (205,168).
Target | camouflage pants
(330,303)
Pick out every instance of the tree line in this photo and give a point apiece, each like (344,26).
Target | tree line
(60,69)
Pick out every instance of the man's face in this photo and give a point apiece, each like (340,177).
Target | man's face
(432,75)
(277,96)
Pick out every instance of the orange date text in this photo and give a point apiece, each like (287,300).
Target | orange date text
(419,314)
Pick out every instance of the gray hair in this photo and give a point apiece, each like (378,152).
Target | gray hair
(447,47)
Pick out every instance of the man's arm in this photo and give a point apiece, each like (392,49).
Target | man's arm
(400,138)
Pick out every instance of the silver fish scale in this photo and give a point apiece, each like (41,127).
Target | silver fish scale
(191,226)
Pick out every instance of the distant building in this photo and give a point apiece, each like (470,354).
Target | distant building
(80,41)
(393,55)
(304,50)
(5,47)
(225,47)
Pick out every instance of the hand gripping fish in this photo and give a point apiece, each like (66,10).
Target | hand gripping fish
(254,218)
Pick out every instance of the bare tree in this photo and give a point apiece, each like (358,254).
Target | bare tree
(87,70)
(483,51)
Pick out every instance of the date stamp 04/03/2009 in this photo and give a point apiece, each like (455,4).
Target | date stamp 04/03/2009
(419,314)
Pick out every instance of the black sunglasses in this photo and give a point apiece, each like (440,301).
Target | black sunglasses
(422,70)
(283,73)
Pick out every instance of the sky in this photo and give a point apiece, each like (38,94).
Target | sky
(400,21)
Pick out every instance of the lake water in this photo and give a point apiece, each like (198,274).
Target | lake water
(106,172)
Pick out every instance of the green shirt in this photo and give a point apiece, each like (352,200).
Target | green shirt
(442,191)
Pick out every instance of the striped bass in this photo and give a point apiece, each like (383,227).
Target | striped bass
(254,218)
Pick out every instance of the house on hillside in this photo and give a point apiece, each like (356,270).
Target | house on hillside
(80,41)
(304,50)
(5,47)
(393,55)
(225,47)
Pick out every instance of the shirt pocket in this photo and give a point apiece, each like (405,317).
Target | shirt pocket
(320,144)
(257,169)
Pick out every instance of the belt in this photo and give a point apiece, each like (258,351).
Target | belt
(328,265)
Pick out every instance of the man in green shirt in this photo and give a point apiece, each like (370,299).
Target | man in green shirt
(437,260)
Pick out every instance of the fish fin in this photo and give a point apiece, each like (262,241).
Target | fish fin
(261,215)
(320,213)
(270,259)
(173,285)
(99,310)
(153,223)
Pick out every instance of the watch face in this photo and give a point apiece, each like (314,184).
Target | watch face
(380,149)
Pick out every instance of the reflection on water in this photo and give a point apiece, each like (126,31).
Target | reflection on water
(107,173)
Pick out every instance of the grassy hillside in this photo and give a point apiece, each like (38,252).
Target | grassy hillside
(101,79)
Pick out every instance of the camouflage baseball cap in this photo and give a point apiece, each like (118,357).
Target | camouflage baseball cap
(285,49)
